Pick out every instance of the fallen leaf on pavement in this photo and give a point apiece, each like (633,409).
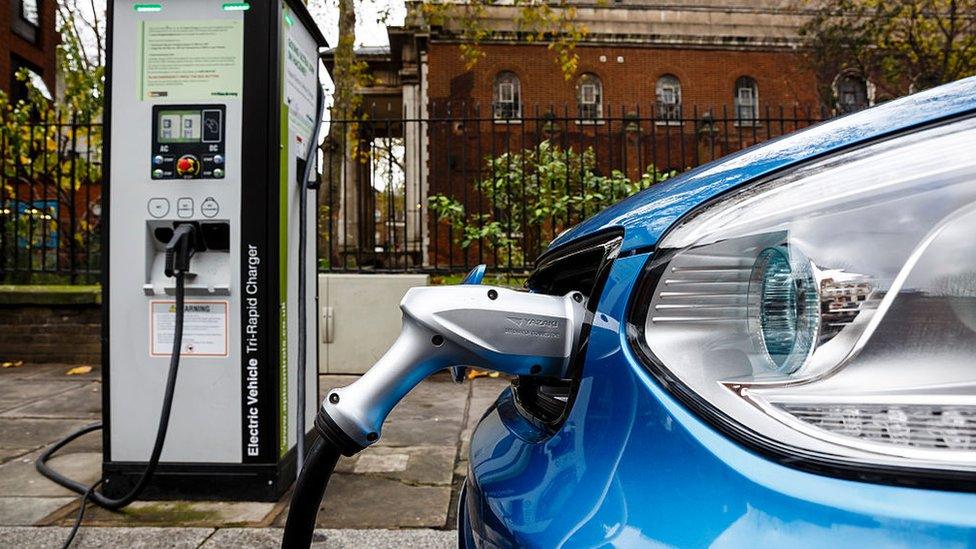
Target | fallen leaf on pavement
(79,370)
(472,373)
(16,364)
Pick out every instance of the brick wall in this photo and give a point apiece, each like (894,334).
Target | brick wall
(707,76)
(50,327)
(40,54)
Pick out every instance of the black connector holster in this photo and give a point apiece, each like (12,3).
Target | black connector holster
(180,249)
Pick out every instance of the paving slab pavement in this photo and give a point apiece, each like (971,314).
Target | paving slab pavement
(56,372)
(79,400)
(16,511)
(408,464)
(100,538)
(408,482)
(26,391)
(19,477)
(366,501)
(270,538)
(181,513)
(7,454)
(35,433)
(209,538)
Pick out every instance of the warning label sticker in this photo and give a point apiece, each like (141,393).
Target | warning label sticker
(204,328)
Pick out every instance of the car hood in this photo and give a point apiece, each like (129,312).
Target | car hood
(646,215)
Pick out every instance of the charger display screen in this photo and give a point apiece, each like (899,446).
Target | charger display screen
(188,126)
(188,142)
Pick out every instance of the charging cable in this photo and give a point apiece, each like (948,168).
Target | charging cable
(304,186)
(179,251)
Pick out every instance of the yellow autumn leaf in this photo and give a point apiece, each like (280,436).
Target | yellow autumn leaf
(15,364)
(79,370)
(473,374)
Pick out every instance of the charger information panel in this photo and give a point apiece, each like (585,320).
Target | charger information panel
(190,60)
(188,142)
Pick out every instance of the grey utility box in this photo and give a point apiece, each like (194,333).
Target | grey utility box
(359,318)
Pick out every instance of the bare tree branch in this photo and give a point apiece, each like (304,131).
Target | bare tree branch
(899,46)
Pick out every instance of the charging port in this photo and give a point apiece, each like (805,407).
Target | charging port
(213,236)
(210,243)
(164,235)
(216,236)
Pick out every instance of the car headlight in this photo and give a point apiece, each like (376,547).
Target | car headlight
(831,311)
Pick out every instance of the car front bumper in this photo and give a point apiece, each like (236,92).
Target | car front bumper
(632,467)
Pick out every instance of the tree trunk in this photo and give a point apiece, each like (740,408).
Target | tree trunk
(337,197)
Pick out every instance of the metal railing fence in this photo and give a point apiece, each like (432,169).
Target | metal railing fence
(50,199)
(463,185)
(441,192)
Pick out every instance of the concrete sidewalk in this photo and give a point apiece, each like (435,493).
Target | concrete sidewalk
(212,538)
(403,490)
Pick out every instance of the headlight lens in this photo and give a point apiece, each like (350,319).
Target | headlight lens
(833,309)
(783,308)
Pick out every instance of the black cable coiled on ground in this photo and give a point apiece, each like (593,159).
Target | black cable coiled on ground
(89,493)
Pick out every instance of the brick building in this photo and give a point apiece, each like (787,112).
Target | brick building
(667,53)
(660,82)
(623,77)
(638,54)
(28,39)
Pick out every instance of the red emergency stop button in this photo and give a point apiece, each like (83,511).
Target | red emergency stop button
(188,165)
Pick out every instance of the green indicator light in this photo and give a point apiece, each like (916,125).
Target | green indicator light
(147,8)
(289,20)
(236,6)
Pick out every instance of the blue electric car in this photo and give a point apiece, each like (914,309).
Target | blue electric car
(782,352)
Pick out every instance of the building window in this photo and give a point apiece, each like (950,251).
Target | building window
(852,92)
(507,96)
(668,92)
(25,20)
(19,90)
(590,97)
(746,101)
(29,12)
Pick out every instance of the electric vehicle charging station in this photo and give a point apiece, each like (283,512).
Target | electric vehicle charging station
(211,109)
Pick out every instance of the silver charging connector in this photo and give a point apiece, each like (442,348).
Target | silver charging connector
(484,327)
